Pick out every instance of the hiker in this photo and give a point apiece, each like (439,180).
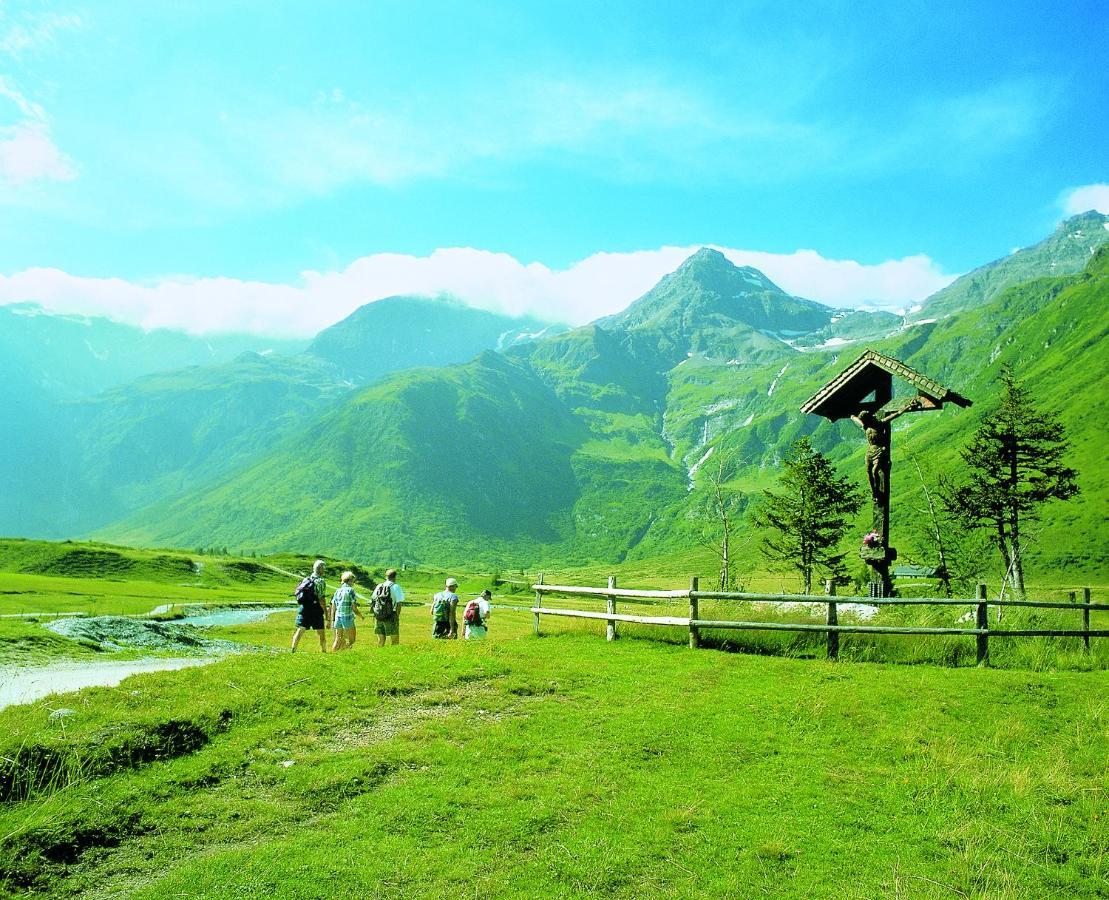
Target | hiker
(385,605)
(476,616)
(344,607)
(310,613)
(444,612)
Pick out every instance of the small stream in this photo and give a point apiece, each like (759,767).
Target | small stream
(212,618)
(29,683)
(25,684)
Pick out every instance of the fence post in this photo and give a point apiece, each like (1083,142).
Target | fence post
(538,603)
(833,619)
(1086,618)
(610,605)
(694,631)
(983,623)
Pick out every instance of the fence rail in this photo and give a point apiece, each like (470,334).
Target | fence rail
(981,604)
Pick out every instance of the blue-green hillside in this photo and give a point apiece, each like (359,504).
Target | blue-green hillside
(112,419)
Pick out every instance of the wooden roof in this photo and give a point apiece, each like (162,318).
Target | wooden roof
(842,396)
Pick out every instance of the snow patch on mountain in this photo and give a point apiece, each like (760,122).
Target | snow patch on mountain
(693,469)
(774,383)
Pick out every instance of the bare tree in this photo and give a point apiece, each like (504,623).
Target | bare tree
(957,552)
(722,507)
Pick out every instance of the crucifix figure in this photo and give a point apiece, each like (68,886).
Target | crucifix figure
(864,393)
(875,424)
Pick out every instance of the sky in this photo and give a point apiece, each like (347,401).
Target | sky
(269,167)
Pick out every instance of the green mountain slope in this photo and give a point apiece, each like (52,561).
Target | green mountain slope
(1064,252)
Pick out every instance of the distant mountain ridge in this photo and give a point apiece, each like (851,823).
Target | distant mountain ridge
(419,331)
(115,418)
(709,306)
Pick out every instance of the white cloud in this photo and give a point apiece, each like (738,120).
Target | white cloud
(27,153)
(1084,198)
(600,285)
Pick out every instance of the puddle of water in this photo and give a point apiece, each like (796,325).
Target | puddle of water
(24,685)
(231,616)
(863,611)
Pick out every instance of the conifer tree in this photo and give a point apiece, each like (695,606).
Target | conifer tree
(809,516)
(1014,465)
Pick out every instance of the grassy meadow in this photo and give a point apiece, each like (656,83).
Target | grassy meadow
(552,766)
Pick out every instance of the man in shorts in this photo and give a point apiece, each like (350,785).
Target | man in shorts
(389,627)
(310,613)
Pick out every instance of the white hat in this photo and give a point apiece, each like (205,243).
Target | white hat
(452,583)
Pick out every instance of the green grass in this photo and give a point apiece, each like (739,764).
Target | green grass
(557,766)
(563,766)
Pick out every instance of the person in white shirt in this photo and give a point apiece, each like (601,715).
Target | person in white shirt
(476,616)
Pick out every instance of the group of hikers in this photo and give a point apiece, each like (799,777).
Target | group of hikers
(316,613)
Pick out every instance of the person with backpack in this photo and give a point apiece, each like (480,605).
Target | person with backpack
(344,607)
(310,608)
(385,603)
(476,616)
(444,612)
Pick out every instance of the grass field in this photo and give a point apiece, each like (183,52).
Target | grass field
(554,766)
(561,766)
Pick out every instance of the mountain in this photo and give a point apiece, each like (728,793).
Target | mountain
(48,361)
(851,325)
(89,456)
(712,308)
(574,447)
(1065,252)
(407,332)
(592,445)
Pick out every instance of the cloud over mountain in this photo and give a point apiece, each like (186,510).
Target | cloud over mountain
(599,285)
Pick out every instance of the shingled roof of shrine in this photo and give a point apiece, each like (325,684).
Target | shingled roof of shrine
(842,396)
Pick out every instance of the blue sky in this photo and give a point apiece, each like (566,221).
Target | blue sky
(247,144)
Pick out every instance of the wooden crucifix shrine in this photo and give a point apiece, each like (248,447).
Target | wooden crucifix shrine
(863,392)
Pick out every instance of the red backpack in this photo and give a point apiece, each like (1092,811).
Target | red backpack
(472,615)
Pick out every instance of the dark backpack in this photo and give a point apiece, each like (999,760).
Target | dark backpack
(381,602)
(472,615)
(306,592)
(441,609)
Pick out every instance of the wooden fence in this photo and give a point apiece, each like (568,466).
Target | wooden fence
(981,630)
